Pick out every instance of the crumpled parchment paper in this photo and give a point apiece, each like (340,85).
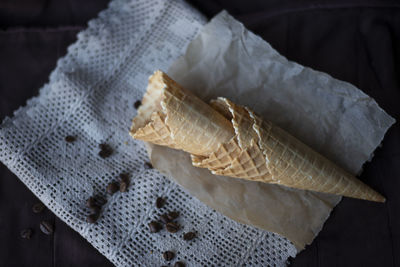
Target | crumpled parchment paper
(331,116)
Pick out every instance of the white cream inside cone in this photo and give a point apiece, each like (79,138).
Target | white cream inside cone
(231,140)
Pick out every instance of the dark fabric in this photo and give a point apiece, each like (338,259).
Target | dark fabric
(357,41)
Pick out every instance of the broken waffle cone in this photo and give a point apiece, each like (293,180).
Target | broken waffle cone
(231,140)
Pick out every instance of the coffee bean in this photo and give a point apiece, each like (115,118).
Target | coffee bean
(112,188)
(95,209)
(26,233)
(189,236)
(92,218)
(91,202)
(100,200)
(38,207)
(172,227)
(179,264)
(154,227)
(70,139)
(124,177)
(164,218)
(168,255)
(104,146)
(124,184)
(95,203)
(172,215)
(160,202)
(123,187)
(46,227)
(105,153)
(148,165)
(105,150)
(137,104)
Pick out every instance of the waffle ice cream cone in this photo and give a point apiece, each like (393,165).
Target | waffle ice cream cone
(231,140)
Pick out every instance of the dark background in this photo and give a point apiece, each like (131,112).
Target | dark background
(355,41)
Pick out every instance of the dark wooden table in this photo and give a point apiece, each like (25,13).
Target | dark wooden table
(355,41)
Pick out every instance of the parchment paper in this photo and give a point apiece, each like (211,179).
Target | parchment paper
(333,117)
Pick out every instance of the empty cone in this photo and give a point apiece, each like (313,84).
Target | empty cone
(231,140)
